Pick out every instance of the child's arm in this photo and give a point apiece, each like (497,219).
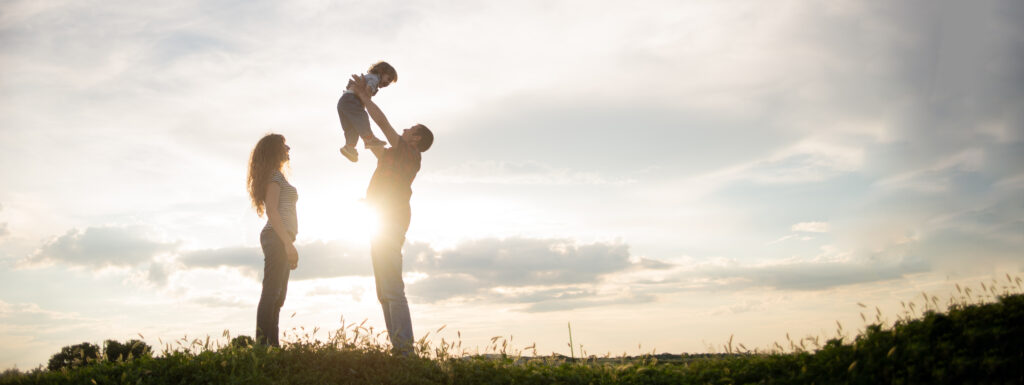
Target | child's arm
(371,108)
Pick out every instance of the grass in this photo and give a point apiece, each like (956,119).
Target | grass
(974,337)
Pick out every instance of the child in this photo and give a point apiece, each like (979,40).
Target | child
(354,120)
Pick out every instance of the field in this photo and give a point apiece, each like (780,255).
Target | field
(974,338)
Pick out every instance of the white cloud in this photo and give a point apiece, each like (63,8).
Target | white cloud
(937,177)
(807,161)
(811,227)
(524,261)
(316,260)
(797,274)
(524,173)
(1011,183)
(356,293)
(99,247)
(3,226)
(10,310)
(513,270)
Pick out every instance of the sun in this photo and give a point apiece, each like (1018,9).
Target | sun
(348,220)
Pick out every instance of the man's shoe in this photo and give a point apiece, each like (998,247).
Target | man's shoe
(350,153)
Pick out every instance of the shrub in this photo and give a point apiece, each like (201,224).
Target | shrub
(74,356)
(116,351)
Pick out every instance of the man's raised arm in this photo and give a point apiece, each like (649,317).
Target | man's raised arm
(375,113)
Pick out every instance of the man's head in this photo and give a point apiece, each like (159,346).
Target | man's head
(386,72)
(420,136)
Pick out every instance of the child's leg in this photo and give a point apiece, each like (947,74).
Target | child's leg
(365,132)
(351,136)
(354,120)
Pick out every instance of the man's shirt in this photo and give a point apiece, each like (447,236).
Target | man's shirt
(391,183)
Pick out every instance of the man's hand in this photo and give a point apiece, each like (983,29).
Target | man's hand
(358,85)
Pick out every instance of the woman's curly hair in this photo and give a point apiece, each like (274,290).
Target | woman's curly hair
(268,156)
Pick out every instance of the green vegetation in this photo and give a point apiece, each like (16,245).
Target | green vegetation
(975,340)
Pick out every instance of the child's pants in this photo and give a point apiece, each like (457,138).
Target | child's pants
(354,120)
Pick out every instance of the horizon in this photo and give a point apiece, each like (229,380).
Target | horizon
(684,172)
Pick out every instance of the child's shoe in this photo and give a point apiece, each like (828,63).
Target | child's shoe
(350,153)
(374,142)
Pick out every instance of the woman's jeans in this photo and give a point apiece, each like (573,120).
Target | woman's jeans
(275,285)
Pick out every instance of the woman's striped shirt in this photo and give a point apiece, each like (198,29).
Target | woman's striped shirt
(286,204)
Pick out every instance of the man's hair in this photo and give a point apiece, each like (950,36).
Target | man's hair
(426,138)
(382,67)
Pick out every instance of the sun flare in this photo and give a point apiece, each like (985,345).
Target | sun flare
(350,221)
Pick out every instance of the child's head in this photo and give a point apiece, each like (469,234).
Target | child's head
(386,72)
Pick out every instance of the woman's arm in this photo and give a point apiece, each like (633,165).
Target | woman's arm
(276,223)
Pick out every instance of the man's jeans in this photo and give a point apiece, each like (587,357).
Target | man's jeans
(386,250)
(275,287)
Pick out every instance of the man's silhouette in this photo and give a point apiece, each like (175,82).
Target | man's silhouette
(389,192)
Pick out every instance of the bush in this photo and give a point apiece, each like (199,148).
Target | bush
(116,351)
(74,356)
(242,342)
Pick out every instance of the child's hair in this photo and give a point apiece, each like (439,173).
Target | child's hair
(382,67)
(426,138)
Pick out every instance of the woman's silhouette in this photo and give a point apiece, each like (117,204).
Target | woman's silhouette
(270,192)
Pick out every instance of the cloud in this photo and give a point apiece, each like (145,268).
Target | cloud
(547,273)
(739,308)
(221,300)
(541,274)
(653,264)
(938,177)
(804,162)
(832,268)
(159,272)
(978,239)
(814,275)
(524,173)
(316,260)
(810,227)
(98,247)
(250,258)
(354,292)
(11,310)
(3,226)
(525,261)
(624,298)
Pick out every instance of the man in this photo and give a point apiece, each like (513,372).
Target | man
(389,192)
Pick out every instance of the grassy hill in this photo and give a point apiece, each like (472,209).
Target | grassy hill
(967,343)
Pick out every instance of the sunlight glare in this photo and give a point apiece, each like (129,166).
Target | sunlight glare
(350,220)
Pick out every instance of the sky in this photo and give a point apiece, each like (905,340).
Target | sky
(661,175)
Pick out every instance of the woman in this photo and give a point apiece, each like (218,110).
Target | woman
(270,192)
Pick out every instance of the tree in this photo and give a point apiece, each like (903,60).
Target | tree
(74,355)
(116,351)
